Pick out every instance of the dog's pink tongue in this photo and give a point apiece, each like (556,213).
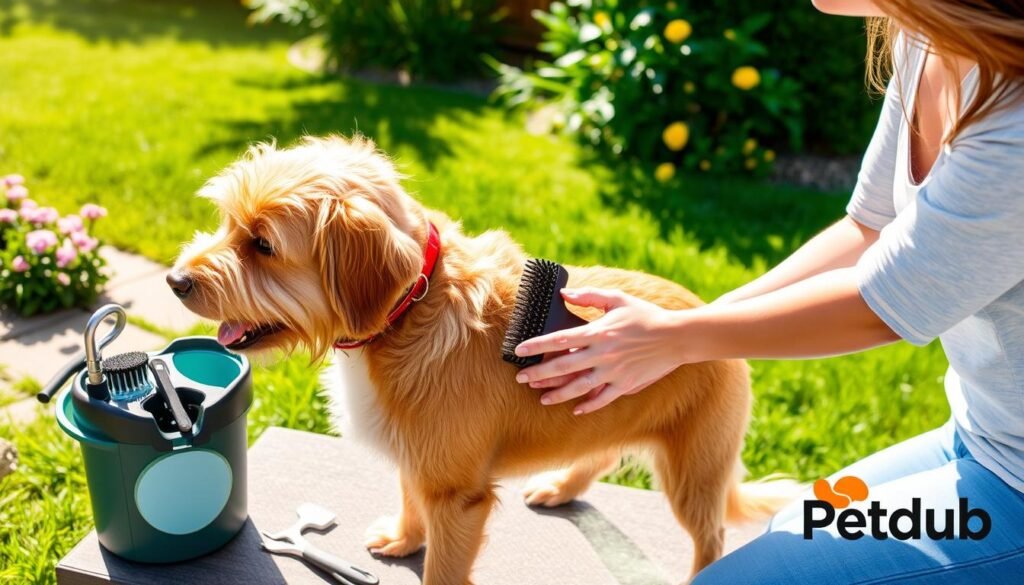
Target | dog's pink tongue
(230,332)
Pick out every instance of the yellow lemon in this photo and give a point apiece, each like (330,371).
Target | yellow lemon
(676,135)
(602,19)
(729,34)
(746,77)
(677,31)
(689,87)
(705,165)
(769,155)
(749,146)
(664,172)
(750,163)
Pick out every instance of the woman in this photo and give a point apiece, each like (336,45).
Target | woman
(932,246)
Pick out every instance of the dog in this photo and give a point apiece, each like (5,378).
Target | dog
(319,243)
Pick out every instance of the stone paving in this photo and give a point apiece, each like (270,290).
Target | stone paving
(39,346)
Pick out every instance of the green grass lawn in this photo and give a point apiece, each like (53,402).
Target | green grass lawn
(134,104)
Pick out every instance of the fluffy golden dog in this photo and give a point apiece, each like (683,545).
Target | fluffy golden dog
(318,243)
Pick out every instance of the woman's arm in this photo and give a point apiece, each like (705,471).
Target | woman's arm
(636,343)
(839,246)
(823,315)
(848,7)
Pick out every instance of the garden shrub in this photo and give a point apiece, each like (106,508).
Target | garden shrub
(825,53)
(686,84)
(47,262)
(429,39)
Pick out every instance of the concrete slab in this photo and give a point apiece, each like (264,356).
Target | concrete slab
(138,285)
(13,325)
(42,352)
(126,267)
(151,299)
(611,536)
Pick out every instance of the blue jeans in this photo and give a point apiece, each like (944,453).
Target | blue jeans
(935,467)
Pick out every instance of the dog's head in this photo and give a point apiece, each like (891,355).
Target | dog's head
(316,243)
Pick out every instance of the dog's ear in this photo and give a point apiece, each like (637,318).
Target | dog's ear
(367,262)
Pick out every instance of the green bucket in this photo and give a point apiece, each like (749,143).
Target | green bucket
(159,494)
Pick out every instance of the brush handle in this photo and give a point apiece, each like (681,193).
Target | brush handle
(344,571)
(559,316)
(166,388)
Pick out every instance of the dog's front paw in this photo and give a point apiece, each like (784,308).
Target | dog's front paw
(550,489)
(389,538)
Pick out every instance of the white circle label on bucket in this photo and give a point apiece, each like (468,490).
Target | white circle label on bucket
(183,492)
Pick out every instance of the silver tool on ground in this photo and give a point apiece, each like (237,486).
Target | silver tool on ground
(291,542)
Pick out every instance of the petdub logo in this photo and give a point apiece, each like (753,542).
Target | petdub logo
(879,523)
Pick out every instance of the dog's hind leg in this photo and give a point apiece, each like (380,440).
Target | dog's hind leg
(696,463)
(554,488)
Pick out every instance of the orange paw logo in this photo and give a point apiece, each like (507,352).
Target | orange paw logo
(848,489)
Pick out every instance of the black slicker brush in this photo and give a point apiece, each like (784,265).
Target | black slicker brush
(539,309)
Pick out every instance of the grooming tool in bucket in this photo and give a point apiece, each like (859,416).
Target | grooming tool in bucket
(163,436)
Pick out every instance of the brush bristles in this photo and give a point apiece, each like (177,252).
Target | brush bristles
(127,376)
(533,302)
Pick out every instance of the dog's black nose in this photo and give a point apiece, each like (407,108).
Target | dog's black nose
(180,283)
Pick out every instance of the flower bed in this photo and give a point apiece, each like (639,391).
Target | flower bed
(47,262)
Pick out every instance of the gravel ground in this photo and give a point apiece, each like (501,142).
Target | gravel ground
(8,458)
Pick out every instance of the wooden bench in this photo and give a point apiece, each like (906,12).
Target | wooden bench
(613,536)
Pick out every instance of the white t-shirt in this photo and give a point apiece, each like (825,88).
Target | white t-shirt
(950,259)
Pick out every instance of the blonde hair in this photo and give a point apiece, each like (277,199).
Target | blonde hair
(988,32)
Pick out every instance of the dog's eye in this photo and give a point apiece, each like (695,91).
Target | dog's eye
(263,246)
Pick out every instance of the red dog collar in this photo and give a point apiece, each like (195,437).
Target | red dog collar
(416,292)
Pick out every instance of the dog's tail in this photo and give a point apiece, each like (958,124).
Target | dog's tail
(759,500)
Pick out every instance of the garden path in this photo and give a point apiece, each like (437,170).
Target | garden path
(36,347)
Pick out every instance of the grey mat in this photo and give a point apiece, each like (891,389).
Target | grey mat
(613,536)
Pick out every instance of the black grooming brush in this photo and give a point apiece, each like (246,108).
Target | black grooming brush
(539,309)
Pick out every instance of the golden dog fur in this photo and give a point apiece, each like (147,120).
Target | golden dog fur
(433,392)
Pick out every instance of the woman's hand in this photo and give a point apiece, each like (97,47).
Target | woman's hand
(636,343)
(631,346)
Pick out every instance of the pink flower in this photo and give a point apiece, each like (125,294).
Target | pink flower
(35,214)
(83,242)
(14,179)
(63,278)
(66,254)
(44,215)
(71,223)
(8,216)
(40,241)
(29,204)
(19,264)
(93,211)
(17,193)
